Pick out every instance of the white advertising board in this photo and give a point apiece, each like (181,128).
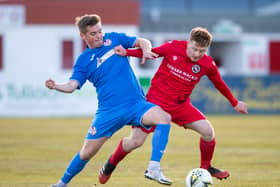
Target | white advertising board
(31,99)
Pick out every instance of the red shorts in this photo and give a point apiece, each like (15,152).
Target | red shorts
(181,113)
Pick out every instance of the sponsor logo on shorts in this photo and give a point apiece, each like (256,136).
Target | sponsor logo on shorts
(92,130)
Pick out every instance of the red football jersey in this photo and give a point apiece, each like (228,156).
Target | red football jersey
(177,75)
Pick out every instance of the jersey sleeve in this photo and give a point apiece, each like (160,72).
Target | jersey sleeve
(161,50)
(134,52)
(220,84)
(126,41)
(79,72)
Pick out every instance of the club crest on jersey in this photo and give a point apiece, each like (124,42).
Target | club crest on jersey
(107,42)
(196,68)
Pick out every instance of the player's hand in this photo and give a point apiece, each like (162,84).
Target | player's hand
(50,84)
(120,50)
(148,55)
(241,107)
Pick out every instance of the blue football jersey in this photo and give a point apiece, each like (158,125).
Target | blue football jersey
(110,73)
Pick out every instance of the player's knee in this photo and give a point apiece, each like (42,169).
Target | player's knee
(85,155)
(167,118)
(164,118)
(208,135)
(138,143)
(87,152)
(135,143)
(206,130)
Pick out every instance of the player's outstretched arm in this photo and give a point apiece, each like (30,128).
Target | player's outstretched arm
(120,50)
(68,87)
(241,107)
(146,47)
(137,52)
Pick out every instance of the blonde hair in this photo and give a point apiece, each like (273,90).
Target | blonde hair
(86,20)
(201,36)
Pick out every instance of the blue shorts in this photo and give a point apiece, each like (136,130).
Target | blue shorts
(109,121)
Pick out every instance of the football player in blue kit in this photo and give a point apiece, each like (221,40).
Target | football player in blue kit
(120,98)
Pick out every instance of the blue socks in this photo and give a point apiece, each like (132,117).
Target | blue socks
(159,141)
(75,166)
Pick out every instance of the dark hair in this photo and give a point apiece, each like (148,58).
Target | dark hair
(86,20)
(201,36)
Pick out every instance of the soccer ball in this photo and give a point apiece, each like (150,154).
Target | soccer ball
(198,177)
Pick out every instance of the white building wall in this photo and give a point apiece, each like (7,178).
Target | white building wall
(33,54)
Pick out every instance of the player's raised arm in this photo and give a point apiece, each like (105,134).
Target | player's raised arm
(136,52)
(67,87)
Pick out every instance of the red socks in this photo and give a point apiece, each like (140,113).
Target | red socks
(118,154)
(206,152)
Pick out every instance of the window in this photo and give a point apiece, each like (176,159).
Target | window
(1,52)
(68,54)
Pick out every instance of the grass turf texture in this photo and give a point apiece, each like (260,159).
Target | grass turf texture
(35,153)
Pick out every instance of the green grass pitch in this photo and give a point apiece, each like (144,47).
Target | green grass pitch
(35,153)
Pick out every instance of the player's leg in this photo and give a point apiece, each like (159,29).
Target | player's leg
(102,127)
(126,145)
(207,141)
(76,165)
(207,147)
(188,116)
(159,143)
(161,133)
(145,114)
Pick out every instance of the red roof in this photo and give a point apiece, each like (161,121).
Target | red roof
(65,11)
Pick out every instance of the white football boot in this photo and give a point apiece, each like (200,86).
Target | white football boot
(55,185)
(158,176)
(59,184)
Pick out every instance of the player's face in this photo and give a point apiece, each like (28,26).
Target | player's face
(195,51)
(94,36)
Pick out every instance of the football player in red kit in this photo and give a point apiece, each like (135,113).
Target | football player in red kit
(184,64)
